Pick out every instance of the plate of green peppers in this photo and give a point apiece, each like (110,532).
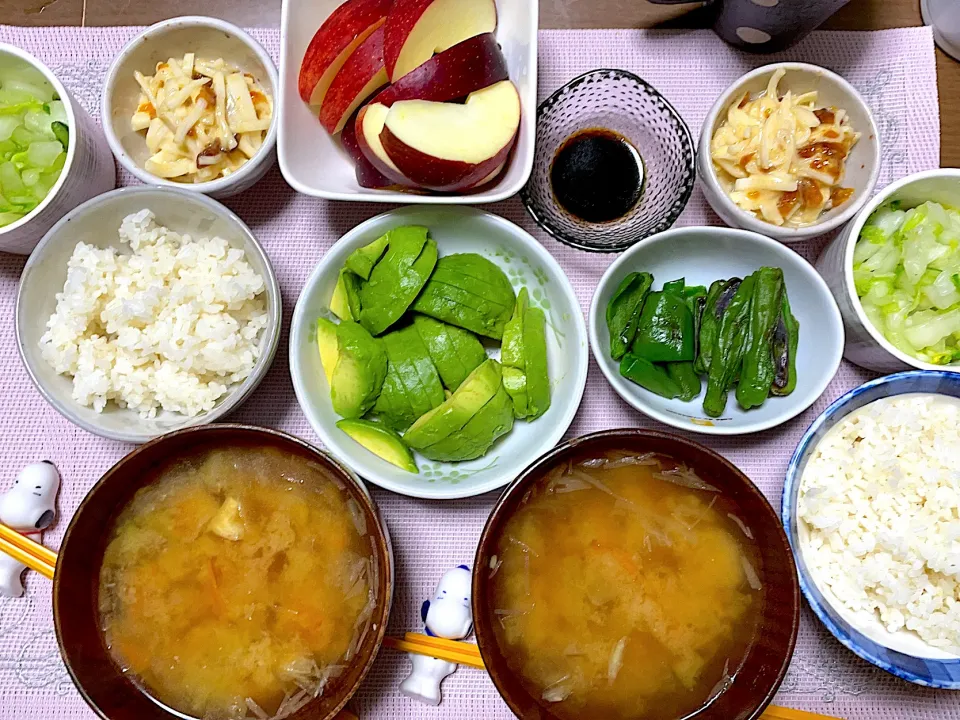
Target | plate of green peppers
(716,330)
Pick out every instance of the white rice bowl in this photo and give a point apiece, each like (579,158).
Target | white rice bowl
(171,324)
(879,519)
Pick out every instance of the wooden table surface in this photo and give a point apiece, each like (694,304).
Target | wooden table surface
(858,15)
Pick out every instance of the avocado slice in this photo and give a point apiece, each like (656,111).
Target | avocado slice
(360,370)
(535,355)
(412,386)
(449,417)
(381,441)
(494,420)
(328,346)
(397,278)
(362,260)
(469,291)
(345,303)
(455,352)
(524,358)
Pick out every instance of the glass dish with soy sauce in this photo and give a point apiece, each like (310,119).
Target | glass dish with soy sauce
(614,163)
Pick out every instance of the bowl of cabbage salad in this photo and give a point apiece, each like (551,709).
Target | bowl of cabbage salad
(895,272)
(52,156)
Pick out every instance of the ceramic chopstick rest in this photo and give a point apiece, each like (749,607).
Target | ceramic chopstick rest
(448,615)
(29,507)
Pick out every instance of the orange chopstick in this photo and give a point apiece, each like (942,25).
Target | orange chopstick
(27,552)
(464,653)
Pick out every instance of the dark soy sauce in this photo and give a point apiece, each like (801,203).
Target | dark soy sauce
(597,175)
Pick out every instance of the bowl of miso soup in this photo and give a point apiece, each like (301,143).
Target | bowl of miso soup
(223,572)
(635,575)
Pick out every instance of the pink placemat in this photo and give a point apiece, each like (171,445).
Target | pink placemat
(894,69)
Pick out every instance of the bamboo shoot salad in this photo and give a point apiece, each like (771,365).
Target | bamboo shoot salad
(202,119)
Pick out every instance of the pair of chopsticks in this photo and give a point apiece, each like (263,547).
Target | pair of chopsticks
(463,653)
(27,552)
(44,560)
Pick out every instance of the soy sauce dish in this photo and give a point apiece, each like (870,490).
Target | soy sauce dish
(632,574)
(223,571)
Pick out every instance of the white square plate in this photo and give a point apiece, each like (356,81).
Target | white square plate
(313,162)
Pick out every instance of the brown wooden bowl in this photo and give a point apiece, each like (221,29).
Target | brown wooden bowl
(767,661)
(112,694)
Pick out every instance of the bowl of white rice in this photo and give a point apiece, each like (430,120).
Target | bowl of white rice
(147,310)
(871,506)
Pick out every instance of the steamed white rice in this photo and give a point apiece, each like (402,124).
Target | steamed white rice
(170,324)
(880,497)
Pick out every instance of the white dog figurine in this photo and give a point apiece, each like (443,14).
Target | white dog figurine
(28,507)
(448,615)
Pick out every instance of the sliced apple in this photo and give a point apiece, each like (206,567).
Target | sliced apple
(470,65)
(417,29)
(369,126)
(367,175)
(361,75)
(449,147)
(339,36)
(489,178)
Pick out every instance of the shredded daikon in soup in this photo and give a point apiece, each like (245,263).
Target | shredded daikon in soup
(204,119)
(781,157)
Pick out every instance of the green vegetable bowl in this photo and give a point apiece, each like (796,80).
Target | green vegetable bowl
(423,353)
(669,329)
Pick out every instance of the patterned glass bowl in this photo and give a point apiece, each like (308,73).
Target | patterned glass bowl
(620,101)
(903,654)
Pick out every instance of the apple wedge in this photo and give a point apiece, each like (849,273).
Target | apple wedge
(361,75)
(339,36)
(449,147)
(367,175)
(417,29)
(367,129)
(473,64)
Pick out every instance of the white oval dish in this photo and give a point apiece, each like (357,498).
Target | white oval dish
(527,263)
(862,167)
(865,345)
(208,38)
(96,222)
(702,255)
(89,169)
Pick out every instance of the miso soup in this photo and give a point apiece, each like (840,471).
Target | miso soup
(626,588)
(238,584)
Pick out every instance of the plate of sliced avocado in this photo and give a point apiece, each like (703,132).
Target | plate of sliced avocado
(715,330)
(438,351)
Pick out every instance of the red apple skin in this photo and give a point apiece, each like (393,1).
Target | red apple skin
(361,75)
(344,26)
(367,175)
(370,156)
(400,22)
(473,64)
(438,174)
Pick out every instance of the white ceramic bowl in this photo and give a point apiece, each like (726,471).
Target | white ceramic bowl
(862,166)
(702,255)
(208,38)
(866,346)
(527,263)
(89,169)
(313,162)
(96,222)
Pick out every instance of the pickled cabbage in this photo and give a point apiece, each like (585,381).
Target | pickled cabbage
(906,269)
(33,144)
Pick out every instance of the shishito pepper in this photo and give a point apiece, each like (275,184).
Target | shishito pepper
(647,375)
(684,373)
(707,335)
(786,339)
(623,311)
(665,333)
(758,371)
(727,355)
